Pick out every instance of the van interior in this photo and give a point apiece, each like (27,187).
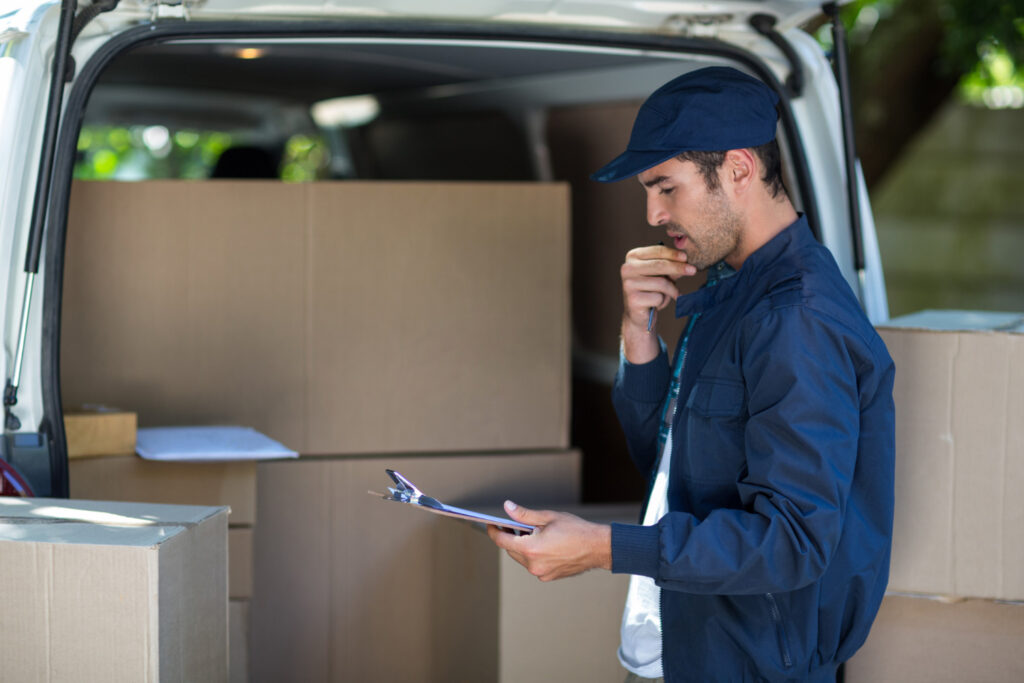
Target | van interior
(377,113)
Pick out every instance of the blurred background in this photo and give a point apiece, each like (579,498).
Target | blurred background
(938,93)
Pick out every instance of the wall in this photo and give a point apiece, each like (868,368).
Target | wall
(950,214)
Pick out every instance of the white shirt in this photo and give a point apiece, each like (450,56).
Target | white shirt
(640,648)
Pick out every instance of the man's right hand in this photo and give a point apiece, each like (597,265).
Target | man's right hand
(648,281)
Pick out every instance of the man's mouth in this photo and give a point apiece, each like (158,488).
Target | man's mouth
(679,240)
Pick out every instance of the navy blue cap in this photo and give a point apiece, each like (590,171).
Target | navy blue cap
(713,109)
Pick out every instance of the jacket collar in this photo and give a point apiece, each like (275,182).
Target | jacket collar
(720,285)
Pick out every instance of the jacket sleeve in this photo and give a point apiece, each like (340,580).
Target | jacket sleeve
(638,394)
(800,449)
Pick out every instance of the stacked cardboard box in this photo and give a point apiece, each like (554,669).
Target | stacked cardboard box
(98,591)
(247,303)
(926,640)
(131,478)
(98,433)
(337,318)
(960,444)
(231,484)
(960,460)
(345,584)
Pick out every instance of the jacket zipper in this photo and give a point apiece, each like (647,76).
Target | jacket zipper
(780,630)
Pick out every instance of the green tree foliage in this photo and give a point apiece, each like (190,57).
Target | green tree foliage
(151,152)
(908,56)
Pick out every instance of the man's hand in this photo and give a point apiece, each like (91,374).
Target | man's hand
(563,544)
(648,281)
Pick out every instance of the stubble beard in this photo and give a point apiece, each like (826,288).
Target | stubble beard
(721,232)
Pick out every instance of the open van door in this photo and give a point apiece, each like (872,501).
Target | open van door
(34,36)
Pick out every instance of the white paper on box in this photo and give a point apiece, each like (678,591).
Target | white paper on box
(208,444)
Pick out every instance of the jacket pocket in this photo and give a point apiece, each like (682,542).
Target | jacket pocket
(717,398)
(780,630)
(715,422)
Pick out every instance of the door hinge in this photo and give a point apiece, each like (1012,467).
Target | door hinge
(172,9)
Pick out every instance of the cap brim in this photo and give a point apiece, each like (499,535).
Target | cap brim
(629,164)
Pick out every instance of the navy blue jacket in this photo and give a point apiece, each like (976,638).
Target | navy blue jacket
(774,555)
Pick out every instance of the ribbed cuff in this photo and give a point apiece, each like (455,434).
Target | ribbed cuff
(645,382)
(635,549)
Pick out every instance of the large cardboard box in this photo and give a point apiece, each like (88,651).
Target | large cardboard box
(337,318)
(343,585)
(959,454)
(134,479)
(112,592)
(921,640)
(501,624)
(100,431)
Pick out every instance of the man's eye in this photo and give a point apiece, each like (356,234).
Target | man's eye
(666,190)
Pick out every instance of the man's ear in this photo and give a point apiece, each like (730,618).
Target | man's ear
(740,169)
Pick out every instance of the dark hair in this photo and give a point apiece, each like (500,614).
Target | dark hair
(768,153)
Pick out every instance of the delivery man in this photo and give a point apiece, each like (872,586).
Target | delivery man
(763,552)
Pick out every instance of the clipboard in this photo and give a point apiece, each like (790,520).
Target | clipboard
(405,491)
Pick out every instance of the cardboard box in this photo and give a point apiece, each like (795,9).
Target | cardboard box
(343,581)
(99,591)
(238,641)
(959,454)
(918,640)
(100,431)
(133,479)
(240,562)
(500,623)
(247,303)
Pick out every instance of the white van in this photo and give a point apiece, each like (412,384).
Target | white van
(467,89)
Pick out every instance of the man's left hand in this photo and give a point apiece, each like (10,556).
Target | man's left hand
(562,545)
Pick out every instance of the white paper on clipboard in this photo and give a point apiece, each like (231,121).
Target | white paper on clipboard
(405,491)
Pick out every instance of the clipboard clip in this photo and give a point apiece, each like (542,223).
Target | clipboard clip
(406,492)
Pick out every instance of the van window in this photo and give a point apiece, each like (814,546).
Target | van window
(154,152)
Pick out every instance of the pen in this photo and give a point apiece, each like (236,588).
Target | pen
(650,316)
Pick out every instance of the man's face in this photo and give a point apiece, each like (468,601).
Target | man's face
(701,222)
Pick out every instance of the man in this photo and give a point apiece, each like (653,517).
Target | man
(764,549)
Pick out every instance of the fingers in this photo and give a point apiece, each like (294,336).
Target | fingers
(658,261)
(526,515)
(648,292)
(648,280)
(503,539)
(564,545)
(659,252)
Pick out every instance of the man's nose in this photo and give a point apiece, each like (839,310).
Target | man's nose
(656,214)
